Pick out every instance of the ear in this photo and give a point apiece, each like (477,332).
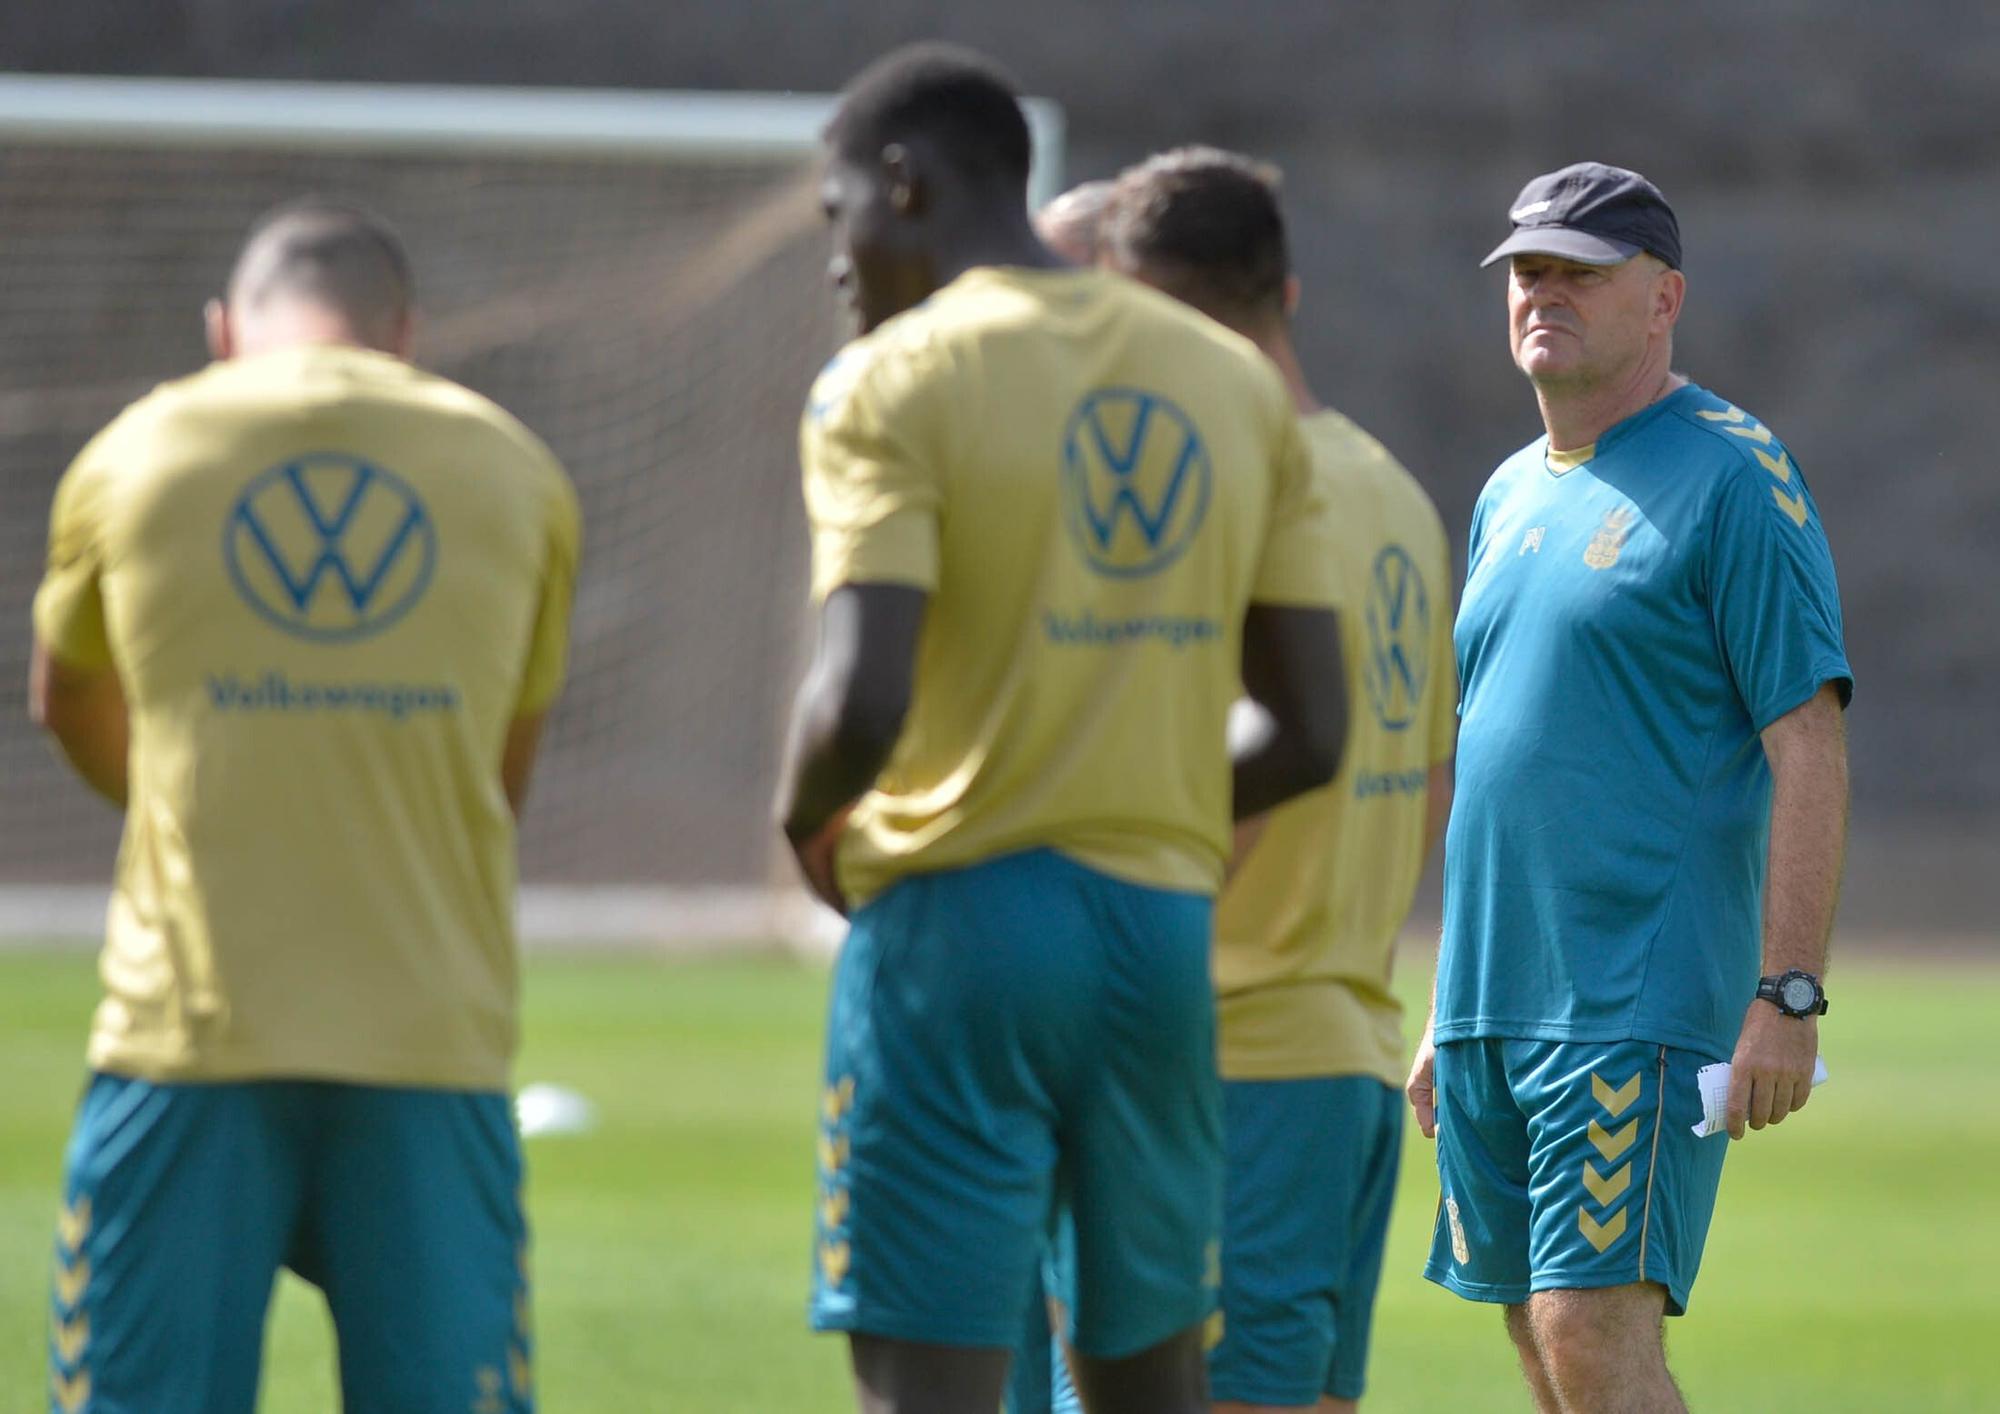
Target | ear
(215,324)
(1292,289)
(902,181)
(1669,290)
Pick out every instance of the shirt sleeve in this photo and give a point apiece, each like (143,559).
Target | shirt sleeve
(872,493)
(548,648)
(1300,564)
(1772,592)
(69,605)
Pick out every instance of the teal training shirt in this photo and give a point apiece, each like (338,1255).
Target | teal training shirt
(1630,624)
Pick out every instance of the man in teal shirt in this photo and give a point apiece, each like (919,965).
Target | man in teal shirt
(1645,848)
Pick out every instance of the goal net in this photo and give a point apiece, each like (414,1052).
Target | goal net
(638,277)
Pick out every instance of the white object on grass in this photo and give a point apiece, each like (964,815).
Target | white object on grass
(550,1109)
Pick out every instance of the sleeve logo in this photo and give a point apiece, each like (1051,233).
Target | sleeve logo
(1136,482)
(329,547)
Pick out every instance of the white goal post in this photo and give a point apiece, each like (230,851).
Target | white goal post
(637,274)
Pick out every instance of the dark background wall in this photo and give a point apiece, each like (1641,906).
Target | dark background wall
(1835,164)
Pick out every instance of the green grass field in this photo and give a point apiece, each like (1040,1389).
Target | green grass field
(1854,1264)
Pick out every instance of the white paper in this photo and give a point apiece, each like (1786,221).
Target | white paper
(1713,1081)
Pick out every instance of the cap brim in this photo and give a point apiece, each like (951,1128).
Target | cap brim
(1563,243)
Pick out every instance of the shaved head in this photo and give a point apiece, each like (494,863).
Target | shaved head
(337,260)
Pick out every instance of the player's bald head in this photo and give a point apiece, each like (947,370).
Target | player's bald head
(1204,225)
(339,258)
(1072,225)
(952,100)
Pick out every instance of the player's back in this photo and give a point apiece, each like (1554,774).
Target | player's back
(329,583)
(1306,931)
(1092,482)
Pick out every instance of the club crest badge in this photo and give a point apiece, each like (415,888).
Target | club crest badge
(1609,541)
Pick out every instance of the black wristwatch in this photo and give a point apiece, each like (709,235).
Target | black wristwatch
(1795,993)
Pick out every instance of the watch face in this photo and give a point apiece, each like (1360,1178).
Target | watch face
(1797,994)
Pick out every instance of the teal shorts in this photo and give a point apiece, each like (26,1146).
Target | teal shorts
(181,1202)
(1020,1048)
(1312,1175)
(1570,1165)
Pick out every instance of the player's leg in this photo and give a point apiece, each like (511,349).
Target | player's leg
(416,1234)
(1480,1240)
(1623,1197)
(1522,1332)
(1604,1349)
(1140,1250)
(178,1204)
(959,1016)
(1377,1129)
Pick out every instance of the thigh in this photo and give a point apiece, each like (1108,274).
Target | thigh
(1480,1241)
(179,1202)
(953,1037)
(418,1238)
(1142,1145)
(1623,1191)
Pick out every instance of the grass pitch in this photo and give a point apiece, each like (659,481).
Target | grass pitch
(1854,1264)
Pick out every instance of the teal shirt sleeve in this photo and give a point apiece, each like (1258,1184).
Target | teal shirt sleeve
(1772,591)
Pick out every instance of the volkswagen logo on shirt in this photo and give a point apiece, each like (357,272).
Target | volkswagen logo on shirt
(329,547)
(1398,618)
(1136,481)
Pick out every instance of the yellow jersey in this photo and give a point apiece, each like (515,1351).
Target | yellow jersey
(1305,934)
(1092,483)
(327,582)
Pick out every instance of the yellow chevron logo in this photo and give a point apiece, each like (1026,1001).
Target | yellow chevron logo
(1606,1190)
(1611,1145)
(838,1100)
(833,1153)
(1779,466)
(1615,1102)
(71,1392)
(519,1373)
(1761,435)
(1734,414)
(833,1208)
(70,1282)
(73,1223)
(1600,1235)
(1793,506)
(1212,1332)
(70,1339)
(833,1260)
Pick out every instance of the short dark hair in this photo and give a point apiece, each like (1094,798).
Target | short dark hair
(955,98)
(1205,226)
(332,253)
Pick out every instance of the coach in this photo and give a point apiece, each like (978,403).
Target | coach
(1652,784)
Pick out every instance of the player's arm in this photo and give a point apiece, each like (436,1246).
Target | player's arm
(84,710)
(850,712)
(1292,671)
(548,642)
(517,758)
(1777,616)
(1771,1074)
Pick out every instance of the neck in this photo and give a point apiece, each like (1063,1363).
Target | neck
(1576,416)
(1277,346)
(1000,234)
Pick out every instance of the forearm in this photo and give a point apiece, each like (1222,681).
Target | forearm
(832,768)
(101,757)
(84,710)
(1807,850)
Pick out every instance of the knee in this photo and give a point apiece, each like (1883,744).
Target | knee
(1580,1334)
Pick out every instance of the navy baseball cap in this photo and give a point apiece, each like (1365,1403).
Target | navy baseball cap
(1591,213)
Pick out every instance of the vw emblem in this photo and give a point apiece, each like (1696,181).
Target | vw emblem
(1398,617)
(1136,481)
(329,547)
